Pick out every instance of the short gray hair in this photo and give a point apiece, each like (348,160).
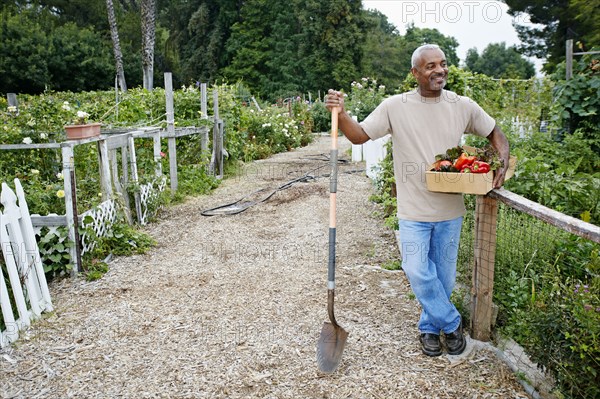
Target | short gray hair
(417,53)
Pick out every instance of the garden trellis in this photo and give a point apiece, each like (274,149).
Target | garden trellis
(115,179)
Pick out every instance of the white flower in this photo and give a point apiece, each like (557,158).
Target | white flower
(31,122)
(66,106)
(365,79)
(35,172)
(82,118)
(381,87)
(59,176)
(43,136)
(12,108)
(27,140)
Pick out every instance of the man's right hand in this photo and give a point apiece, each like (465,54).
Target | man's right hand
(351,128)
(334,99)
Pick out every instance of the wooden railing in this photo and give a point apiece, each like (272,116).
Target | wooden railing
(486,212)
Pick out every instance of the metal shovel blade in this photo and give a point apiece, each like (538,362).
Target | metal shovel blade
(331,341)
(330,347)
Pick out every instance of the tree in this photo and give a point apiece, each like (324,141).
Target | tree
(24,50)
(560,20)
(382,51)
(330,44)
(37,53)
(148,22)
(197,35)
(249,45)
(286,77)
(281,48)
(498,61)
(114,34)
(78,59)
(415,37)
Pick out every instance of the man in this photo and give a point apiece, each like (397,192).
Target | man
(423,123)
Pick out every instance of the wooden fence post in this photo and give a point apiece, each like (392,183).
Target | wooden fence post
(12,100)
(204,112)
(486,213)
(134,177)
(217,157)
(171,131)
(105,178)
(71,206)
(121,183)
(157,154)
(569,60)
(203,101)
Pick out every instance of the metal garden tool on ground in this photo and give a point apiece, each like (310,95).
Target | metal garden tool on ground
(333,337)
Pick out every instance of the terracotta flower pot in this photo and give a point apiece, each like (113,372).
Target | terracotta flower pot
(76,132)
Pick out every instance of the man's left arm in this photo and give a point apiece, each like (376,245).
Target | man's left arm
(500,143)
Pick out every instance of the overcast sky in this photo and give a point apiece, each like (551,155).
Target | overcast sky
(472,23)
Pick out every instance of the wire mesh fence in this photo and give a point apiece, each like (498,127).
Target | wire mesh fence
(545,282)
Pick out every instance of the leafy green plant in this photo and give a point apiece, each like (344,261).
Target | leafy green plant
(55,250)
(95,269)
(562,175)
(578,99)
(121,240)
(321,117)
(385,185)
(563,334)
(394,264)
(364,97)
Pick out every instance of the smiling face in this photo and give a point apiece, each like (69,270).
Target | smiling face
(431,72)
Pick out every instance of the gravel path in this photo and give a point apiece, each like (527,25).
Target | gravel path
(232,307)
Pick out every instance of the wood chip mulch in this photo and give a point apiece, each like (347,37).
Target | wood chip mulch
(232,306)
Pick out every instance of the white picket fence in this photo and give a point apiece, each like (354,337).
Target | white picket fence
(29,293)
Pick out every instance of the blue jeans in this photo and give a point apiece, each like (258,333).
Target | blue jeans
(429,255)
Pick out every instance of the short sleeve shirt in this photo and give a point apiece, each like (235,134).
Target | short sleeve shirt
(421,128)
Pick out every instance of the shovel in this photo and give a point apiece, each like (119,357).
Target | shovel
(333,337)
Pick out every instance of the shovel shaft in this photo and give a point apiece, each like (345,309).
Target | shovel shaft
(332,199)
(331,263)
(333,337)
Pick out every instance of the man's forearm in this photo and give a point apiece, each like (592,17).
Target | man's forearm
(500,143)
(352,129)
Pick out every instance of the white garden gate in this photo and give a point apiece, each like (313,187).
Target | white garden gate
(28,294)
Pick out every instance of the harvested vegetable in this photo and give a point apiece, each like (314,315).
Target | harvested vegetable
(460,160)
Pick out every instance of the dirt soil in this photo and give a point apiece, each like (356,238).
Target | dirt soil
(232,306)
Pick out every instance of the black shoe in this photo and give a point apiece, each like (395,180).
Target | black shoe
(431,344)
(456,342)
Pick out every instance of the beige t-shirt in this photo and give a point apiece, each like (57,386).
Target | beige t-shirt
(421,128)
